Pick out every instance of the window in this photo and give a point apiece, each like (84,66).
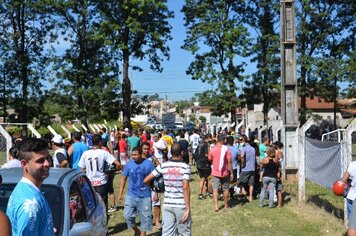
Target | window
(76,206)
(87,193)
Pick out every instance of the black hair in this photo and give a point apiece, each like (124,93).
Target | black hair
(176,149)
(137,149)
(145,144)
(29,145)
(230,140)
(103,129)
(96,139)
(13,152)
(77,135)
(278,144)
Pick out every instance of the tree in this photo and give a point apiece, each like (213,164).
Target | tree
(320,29)
(217,37)
(88,68)
(25,28)
(264,87)
(136,30)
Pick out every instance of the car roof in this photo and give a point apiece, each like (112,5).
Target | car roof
(56,175)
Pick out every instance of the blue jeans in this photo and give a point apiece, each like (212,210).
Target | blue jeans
(172,224)
(272,185)
(142,206)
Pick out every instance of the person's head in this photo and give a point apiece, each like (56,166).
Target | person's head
(96,140)
(208,137)
(230,140)
(77,136)
(244,139)
(136,154)
(221,138)
(123,136)
(278,144)
(35,159)
(265,140)
(13,153)
(156,137)
(103,129)
(57,141)
(176,150)
(271,152)
(145,149)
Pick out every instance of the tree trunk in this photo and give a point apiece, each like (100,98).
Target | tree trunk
(335,101)
(126,92)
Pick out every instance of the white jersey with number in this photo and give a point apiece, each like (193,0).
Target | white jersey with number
(93,161)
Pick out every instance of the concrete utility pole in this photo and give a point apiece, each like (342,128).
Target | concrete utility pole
(289,93)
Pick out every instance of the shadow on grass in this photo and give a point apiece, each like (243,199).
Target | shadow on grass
(327,206)
(117,228)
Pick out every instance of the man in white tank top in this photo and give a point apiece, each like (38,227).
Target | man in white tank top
(60,157)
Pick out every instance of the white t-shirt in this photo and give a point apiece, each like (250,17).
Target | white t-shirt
(352,172)
(173,172)
(194,140)
(93,161)
(12,163)
(161,144)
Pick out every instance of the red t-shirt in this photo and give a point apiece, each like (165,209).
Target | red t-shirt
(143,138)
(214,156)
(122,146)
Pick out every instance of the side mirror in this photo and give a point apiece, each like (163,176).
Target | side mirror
(81,229)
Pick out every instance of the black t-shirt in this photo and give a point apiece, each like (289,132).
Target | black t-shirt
(201,157)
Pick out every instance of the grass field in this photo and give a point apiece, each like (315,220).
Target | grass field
(312,218)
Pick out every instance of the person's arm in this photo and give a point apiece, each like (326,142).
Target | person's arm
(62,159)
(117,164)
(148,180)
(70,151)
(186,194)
(121,188)
(345,177)
(229,162)
(5,225)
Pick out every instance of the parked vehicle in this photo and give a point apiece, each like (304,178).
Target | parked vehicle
(76,208)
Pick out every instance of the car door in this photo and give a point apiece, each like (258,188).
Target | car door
(95,208)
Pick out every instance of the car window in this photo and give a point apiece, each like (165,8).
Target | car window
(87,193)
(76,205)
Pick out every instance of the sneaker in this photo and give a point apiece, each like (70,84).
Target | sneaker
(201,197)
(112,209)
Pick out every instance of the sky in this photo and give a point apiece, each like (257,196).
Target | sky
(173,81)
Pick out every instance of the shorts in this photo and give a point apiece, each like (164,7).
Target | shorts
(123,158)
(110,184)
(156,203)
(279,185)
(247,178)
(140,206)
(352,218)
(103,192)
(220,182)
(204,173)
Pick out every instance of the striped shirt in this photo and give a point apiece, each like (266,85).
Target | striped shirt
(174,172)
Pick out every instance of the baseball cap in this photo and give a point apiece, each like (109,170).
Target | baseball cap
(126,129)
(57,139)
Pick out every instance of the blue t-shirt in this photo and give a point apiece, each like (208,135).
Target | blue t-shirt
(78,149)
(89,139)
(104,139)
(136,173)
(234,154)
(250,157)
(263,149)
(29,212)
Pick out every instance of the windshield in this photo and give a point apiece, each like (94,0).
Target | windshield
(54,198)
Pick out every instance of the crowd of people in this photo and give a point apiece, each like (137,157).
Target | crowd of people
(228,164)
